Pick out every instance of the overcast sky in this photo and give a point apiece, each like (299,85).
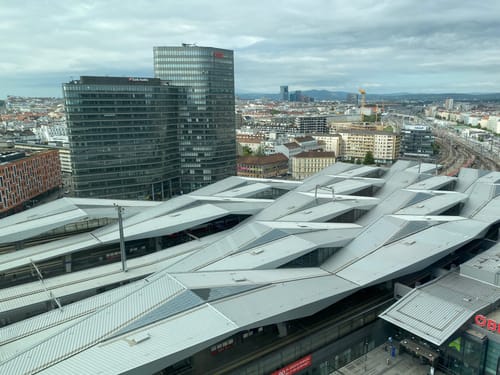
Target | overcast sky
(340,45)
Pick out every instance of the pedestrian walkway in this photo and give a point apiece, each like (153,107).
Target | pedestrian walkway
(379,362)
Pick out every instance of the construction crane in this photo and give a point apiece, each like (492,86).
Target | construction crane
(363,102)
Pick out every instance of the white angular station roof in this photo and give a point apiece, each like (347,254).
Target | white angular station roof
(436,310)
(63,287)
(55,214)
(149,220)
(241,279)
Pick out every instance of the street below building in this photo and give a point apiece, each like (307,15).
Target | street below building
(380,362)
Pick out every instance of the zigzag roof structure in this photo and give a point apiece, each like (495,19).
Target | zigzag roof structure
(360,225)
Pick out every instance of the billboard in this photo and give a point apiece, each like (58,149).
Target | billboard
(295,367)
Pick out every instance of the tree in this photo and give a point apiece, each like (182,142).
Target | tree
(368,160)
(247,151)
(260,151)
(435,148)
(370,118)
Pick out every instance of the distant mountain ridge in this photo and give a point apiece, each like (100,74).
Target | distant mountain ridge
(316,94)
(341,95)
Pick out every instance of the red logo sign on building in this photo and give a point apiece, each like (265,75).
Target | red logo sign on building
(218,55)
(295,367)
(489,324)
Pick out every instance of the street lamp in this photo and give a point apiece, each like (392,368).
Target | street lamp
(366,354)
(123,255)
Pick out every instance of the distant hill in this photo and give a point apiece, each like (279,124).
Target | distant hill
(341,95)
(326,95)
(256,95)
(316,94)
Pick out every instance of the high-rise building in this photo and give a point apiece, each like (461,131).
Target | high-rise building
(284,95)
(298,96)
(123,137)
(352,98)
(448,104)
(416,141)
(208,138)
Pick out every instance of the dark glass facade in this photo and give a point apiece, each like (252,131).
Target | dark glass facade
(465,354)
(207,140)
(284,95)
(416,141)
(123,137)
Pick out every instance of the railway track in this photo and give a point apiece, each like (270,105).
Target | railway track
(455,154)
(10,247)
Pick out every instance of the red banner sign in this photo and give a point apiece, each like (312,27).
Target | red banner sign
(489,324)
(295,367)
(219,55)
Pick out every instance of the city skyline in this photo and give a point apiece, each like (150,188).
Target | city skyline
(382,46)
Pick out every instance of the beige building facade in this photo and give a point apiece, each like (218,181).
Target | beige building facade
(328,142)
(308,163)
(383,145)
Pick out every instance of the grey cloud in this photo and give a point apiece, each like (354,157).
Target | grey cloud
(395,45)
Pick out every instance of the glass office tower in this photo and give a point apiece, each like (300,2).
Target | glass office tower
(416,141)
(123,137)
(207,140)
(284,95)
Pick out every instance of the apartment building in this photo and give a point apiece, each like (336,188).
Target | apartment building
(346,126)
(253,142)
(307,143)
(386,147)
(328,142)
(64,153)
(311,124)
(289,149)
(356,143)
(493,124)
(299,144)
(24,176)
(308,163)
(263,166)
